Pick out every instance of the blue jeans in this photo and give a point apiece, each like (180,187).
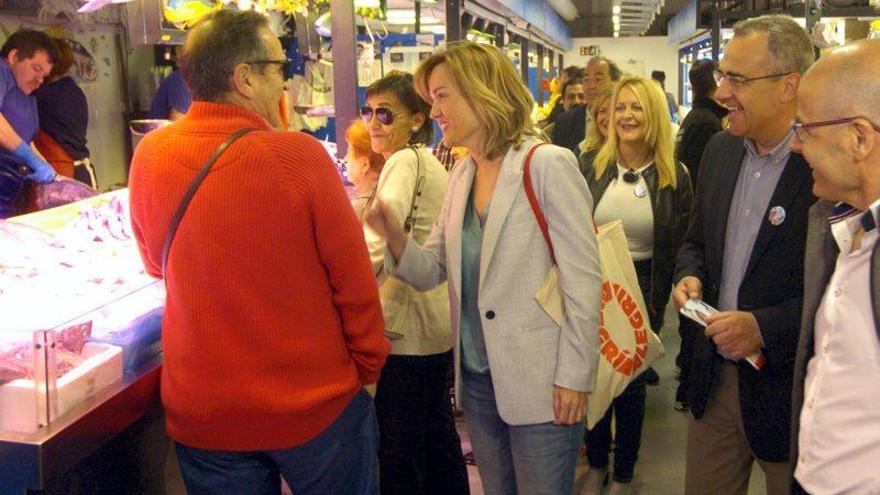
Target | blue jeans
(341,460)
(517,460)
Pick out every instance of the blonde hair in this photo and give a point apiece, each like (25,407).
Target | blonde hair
(595,139)
(658,129)
(488,81)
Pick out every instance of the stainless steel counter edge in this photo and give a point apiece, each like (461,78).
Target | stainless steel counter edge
(31,461)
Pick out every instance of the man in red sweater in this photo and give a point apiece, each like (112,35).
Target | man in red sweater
(273,323)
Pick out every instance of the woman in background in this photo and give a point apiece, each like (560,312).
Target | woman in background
(635,178)
(364,166)
(64,118)
(597,129)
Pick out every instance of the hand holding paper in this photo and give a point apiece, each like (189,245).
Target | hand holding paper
(735,333)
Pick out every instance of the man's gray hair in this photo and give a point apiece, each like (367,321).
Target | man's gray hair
(215,46)
(788,43)
(614,71)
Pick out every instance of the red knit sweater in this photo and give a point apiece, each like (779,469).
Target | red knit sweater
(273,320)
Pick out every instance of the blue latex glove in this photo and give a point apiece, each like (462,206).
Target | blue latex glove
(41,172)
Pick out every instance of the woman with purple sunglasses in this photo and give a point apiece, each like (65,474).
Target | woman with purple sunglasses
(420,451)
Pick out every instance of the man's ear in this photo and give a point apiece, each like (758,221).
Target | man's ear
(790,88)
(12,56)
(866,141)
(242,80)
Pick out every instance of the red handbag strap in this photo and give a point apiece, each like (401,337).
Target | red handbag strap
(533,200)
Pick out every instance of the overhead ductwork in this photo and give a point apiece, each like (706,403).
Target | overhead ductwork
(634,17)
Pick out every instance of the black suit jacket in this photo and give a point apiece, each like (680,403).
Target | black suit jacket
(772,290)
(701,123)
(571,129)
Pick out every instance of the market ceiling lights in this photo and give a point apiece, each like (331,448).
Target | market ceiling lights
(634,17)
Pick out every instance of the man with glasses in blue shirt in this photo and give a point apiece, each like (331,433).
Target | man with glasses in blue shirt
(836,421)
(743,254)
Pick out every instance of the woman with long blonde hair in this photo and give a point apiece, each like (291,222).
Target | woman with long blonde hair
(522,377)
(635,178)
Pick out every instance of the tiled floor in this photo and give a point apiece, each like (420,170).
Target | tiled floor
(660,470)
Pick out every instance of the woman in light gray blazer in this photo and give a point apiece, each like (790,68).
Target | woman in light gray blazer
(522,378)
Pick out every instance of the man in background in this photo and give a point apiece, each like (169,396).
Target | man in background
(660,77)
(572,97)
(704,119)
(569,73)
(172,99)
(600,74)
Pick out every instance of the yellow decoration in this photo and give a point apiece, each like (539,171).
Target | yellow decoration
(545,110)
(288,7)
(188,13)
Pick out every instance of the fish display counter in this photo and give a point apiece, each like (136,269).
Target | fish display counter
(80,348)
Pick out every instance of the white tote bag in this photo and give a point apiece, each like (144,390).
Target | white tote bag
(627,345)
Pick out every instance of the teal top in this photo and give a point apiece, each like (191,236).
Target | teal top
(473,345)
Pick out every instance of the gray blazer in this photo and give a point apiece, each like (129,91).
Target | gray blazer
(819,261)
(528,353)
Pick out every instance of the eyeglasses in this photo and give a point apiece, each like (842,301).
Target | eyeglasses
(383,114)
(737,81)
(284,64)
(801,130)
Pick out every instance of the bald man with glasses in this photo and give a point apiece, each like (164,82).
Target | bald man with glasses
(835,407)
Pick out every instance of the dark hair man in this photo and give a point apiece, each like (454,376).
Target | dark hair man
(743,254)
(273,323)
(660,77)
(704,119)
(572,94)
(569,73)
(28,57)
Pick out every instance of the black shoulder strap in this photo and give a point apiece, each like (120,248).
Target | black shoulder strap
(410,220)
(193,187)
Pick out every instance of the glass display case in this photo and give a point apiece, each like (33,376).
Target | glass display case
(78,308)
(81,324)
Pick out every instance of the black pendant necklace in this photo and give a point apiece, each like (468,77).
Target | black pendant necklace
(630,176)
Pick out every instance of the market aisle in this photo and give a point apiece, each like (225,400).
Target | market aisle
(660,470)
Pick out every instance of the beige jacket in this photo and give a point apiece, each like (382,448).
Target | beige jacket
(421,317)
